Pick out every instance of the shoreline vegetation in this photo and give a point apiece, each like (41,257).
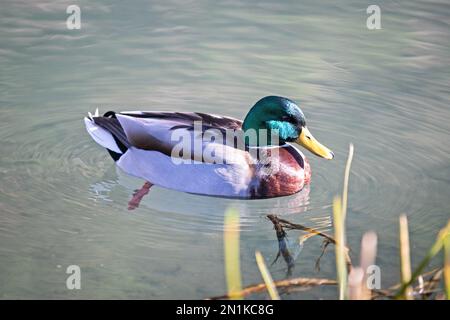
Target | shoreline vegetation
(352,281)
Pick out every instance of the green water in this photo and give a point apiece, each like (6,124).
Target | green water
(62,202)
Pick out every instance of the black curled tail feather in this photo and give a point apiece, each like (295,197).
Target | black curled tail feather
(110,123)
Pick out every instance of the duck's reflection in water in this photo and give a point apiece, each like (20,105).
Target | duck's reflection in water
(149,196)
(206,213)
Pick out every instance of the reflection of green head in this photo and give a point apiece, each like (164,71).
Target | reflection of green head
(281,118)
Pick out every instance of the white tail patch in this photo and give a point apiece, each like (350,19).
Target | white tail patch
(100,135)
(96,114)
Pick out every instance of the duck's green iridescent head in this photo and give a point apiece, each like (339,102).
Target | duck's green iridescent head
(282,121)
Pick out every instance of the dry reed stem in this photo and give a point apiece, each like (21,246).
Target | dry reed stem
(287,283)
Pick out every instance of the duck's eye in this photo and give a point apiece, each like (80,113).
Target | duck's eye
(308,137)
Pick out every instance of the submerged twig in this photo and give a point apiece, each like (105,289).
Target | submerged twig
(289,225)
(281,224)
(325,244)
(282,245)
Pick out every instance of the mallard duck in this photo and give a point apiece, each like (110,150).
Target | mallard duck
(148,145)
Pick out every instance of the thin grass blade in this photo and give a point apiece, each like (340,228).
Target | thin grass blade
(273,292)
(346,178)
(447,266)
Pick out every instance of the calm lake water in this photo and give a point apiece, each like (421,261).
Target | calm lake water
(63,202)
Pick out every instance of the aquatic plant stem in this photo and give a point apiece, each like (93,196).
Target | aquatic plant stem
(271,288)
(231,249)
(339,215)
(405,259)
(346,178)
(341,267)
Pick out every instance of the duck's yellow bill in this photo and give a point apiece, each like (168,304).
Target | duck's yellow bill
(309,142)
